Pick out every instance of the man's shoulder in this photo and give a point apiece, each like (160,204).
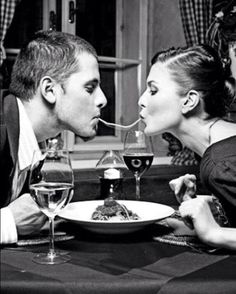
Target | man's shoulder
(8,98)
(9,107)
(9,121)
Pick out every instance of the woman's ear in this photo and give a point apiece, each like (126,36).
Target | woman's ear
(190,101)
(48,89)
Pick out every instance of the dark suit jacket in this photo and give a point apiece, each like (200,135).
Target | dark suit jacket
(9,143)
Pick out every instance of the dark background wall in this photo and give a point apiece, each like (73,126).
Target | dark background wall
(164,31)
(164,26)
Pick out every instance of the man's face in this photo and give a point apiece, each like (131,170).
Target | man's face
(79,105)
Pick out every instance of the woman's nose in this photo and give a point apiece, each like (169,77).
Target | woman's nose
(141,101)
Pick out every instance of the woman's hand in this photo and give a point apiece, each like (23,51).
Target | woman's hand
(199,211)
(184,187)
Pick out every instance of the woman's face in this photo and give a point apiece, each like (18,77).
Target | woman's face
(160,103)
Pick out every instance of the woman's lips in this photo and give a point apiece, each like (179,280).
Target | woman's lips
(142,118)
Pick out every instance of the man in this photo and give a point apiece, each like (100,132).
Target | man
(55,86)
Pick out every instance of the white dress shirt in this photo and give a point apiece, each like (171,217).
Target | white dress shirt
(27,145)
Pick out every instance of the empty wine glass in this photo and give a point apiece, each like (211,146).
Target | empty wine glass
(51,186)
(138,155)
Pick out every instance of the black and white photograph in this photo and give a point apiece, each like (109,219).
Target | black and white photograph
(118,146)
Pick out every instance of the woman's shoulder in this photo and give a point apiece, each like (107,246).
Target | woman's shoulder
(225,145)
(220,151)
(222,130)
(218,170)
(219,162)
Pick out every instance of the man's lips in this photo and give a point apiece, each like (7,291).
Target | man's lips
(95,120)
(96,117)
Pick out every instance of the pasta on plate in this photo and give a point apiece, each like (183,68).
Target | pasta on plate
(112,210)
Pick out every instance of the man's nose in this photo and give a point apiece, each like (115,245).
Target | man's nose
(101,99)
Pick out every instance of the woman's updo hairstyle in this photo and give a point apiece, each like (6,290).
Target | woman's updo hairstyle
(200,68)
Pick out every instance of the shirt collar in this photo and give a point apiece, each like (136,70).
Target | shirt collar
(27,140)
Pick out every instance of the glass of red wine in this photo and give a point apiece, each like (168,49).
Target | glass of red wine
(51,186)
(138,155)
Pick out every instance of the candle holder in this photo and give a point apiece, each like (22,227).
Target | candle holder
(110,172)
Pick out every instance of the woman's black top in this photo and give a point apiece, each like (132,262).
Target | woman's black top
(218,174)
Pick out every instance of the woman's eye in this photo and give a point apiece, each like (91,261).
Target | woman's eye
(153,91)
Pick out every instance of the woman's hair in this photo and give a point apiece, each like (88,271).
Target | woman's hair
(50,53)
(200,68)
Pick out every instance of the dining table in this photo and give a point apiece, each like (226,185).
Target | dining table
(137,262)
(149,260)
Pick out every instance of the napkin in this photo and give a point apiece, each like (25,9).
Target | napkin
(43,238)
(184,235)
(185,240)
(180,237)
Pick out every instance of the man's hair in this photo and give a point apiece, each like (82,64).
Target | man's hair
(49,53)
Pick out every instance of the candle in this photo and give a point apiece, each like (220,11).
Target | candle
(112,173)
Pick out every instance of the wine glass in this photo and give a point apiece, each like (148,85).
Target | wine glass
(138,155)
(51,185)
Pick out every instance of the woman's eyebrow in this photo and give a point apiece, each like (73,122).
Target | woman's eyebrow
(149,83)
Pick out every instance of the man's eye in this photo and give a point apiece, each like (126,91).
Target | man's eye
(90,89)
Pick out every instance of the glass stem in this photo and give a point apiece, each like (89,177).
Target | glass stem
(137,179)
(51,241)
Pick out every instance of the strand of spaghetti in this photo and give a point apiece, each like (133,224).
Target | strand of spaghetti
(125,210)
(119,126)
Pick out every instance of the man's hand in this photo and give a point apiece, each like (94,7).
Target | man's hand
(28,217)
(184,187)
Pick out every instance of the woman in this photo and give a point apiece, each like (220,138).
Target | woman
(188,94)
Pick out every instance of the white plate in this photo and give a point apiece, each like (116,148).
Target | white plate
(149,212)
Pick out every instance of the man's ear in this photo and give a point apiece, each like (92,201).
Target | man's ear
(48,89)
(190,101)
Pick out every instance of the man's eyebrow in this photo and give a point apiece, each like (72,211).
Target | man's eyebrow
(93,81)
